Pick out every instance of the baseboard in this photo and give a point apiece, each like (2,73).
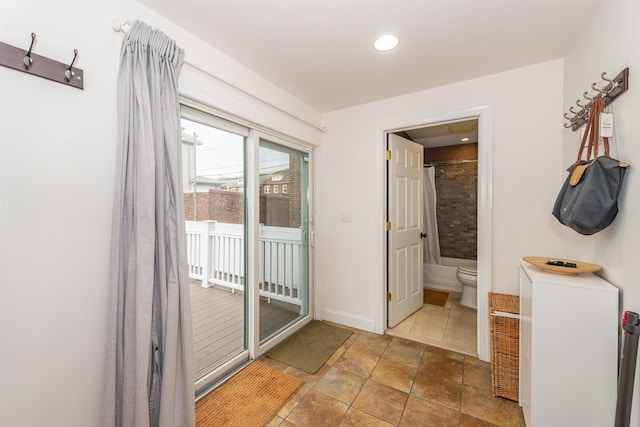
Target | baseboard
(349,319)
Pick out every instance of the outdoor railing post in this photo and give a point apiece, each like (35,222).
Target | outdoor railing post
(208,227)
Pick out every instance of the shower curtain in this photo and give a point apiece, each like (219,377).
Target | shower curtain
(432,241)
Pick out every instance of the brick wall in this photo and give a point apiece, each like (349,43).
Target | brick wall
(228,207)
(295,172)
(201,209)
(457,209)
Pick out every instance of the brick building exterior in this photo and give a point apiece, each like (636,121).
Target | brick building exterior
(280,209)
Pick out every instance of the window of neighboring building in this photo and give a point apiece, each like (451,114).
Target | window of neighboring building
(284,188)
(275,188)
(267,189)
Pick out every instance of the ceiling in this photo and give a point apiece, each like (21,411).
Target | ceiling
(463,132)
(321,51)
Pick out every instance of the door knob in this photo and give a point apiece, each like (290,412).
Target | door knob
(423,235)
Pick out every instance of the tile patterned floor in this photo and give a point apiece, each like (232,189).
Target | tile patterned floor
(452,327)
(380,380)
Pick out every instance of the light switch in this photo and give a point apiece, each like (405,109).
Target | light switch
(345,216)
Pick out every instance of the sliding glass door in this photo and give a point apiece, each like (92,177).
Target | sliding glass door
(246,203)
(213,171)
(283,240)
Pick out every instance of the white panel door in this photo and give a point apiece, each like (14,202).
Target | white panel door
(404,239)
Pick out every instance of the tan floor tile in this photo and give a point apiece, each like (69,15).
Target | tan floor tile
(341,385)
(275,422)
(438,366)
(436,319)
(430,308)
(372,344)
(352,338)
(381,401)
(294,401)
(394,375)
(432,351)
(484,405)
(357,418)
(424,331)
(286,423)
(316,406)
(420,412)
(337,355)
(461,347)
(357,362)
(404,351)
(403,327)
(443,392)
(477,375)
(309,379)
(469,421)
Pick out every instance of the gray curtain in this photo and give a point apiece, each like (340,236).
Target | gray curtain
(150,379)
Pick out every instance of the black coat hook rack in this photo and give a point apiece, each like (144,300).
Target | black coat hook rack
(614,88)
(31,63)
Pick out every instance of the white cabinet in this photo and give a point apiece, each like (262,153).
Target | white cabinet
(568,349)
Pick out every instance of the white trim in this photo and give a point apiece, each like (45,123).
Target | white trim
(484,114)
(348,319)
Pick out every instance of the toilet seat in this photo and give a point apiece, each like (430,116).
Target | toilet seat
(468,270)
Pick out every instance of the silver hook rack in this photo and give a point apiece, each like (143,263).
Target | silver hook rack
(614,88)
(28,62)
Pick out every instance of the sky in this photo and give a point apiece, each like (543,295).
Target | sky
(220,155)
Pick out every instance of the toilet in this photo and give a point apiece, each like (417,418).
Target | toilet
(468,276)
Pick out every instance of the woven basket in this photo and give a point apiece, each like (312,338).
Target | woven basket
(505,345)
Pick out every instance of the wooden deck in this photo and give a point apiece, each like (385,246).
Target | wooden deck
(218,324)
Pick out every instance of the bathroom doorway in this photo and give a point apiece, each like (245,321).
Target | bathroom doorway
(458,150)
(447,314)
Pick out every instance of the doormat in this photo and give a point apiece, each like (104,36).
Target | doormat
(434,297)
(311,346)
(251,398)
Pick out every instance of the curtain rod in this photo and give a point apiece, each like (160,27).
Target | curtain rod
(120,26)
(449,162)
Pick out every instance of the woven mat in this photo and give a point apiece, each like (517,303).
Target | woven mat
(251,398)
(435,297)
(309,348)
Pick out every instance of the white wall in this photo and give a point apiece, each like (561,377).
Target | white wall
(609,43)
(57,162)
(526,105)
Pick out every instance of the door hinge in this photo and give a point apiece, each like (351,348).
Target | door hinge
(388,226)
(388,296)
(388,154)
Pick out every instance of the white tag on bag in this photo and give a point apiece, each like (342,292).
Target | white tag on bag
(606,125)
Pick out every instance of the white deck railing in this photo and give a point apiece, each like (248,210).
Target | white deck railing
(215,252)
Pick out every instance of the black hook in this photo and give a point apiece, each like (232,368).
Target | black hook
(69,74)
(28,62)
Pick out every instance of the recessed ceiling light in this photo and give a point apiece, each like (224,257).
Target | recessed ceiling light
(386,42)
(464,139)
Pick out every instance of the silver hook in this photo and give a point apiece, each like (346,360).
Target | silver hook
(573,111)
(587,97)
(567,125)
(596,88)
(613,83)
(580,105)
(69,74)
(569,118)
(27,61)
(602,76)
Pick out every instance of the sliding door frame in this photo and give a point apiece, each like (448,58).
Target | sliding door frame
(252,248)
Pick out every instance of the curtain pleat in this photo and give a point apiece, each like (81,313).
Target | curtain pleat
(150,353)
